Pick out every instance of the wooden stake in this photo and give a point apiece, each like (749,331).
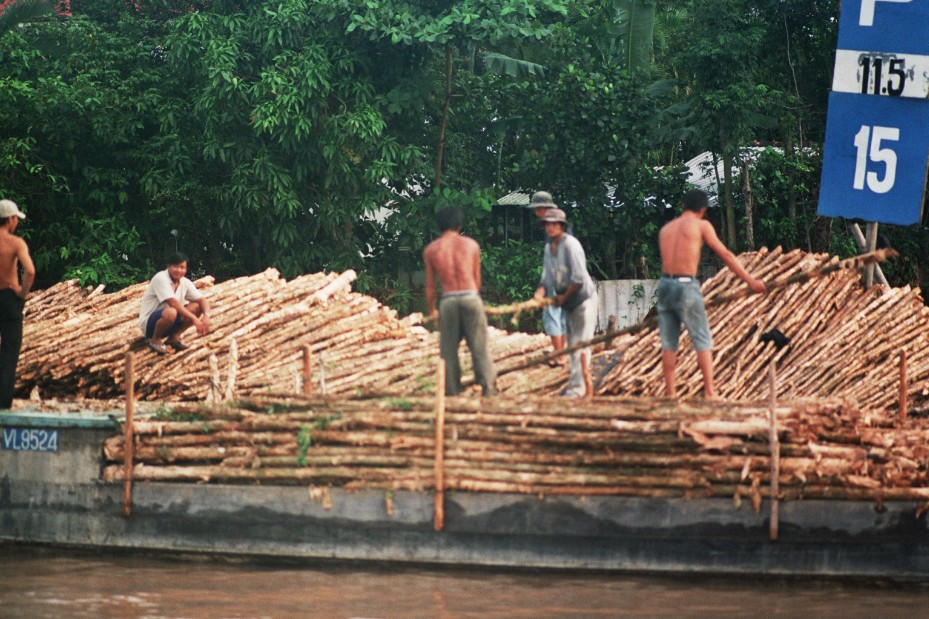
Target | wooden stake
(775,447)
(130,435)
(862,243)
(903,389)
(440,445)
(322,372)
(871,234)
(233,370)
(307,371)
(854,263)
(215,386)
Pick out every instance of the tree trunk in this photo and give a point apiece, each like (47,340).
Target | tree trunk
(728,200)
(440,153)
(749,207)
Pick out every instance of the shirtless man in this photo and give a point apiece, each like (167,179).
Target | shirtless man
(170,305)
(13,254)
(679,296)
(456,260)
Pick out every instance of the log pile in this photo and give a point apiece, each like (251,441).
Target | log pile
(75,341)
(828,449)
(844,340)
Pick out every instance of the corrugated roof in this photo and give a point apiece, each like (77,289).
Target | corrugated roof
(515,198)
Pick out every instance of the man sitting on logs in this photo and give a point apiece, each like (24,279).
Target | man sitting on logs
(456,260)
(170,305)
(679,296)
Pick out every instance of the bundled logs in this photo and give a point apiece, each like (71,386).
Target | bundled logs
(843,340)
(75,341)
(609,446)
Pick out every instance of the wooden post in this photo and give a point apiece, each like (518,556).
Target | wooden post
(233,370)
(215,388)
(871,232)
(129,447)
(440,445)
(322,372)
(307,371)
(903,389)
(775,447)
(862,244)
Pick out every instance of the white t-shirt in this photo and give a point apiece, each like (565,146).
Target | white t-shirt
(159,290)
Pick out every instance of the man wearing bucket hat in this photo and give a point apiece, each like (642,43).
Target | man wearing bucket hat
(564,270)
(553,318)
(14,253)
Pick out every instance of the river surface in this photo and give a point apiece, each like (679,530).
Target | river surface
(43,582)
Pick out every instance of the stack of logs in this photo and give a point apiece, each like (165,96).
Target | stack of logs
(611,446)
(75,343)
(844,340)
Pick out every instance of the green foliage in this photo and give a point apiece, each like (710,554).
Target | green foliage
(304,441)
(634,29)
(400,404)
(777,179)
(270,133)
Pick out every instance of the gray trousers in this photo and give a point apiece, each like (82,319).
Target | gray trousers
(463,316)
(581,321)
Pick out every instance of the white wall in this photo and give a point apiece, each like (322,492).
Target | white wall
(627,299)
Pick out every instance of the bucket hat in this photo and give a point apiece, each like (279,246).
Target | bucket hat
(556,215)
(542,199)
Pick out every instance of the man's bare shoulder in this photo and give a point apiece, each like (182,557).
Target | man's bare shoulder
(431,248)
(470,243)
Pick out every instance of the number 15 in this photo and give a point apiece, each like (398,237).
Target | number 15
(876,154)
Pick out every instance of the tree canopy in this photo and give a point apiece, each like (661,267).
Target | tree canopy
(322,134)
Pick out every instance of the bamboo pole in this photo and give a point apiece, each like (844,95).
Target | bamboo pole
(439,507)
(903,386)
(307,371)
(233,369)
(855,263)
(871,234)
(215,386)
(775,455)
(130,435)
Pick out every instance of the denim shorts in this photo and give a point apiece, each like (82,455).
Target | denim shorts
(682,302)
(553,321)
(155,317)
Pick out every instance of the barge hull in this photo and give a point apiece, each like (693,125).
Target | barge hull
(57,498)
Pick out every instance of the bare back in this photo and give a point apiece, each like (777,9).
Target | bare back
(456,261)
(680,241)
(12,248)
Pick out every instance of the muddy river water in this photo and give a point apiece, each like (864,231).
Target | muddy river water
(42,582)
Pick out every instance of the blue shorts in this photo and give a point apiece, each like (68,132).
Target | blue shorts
(156,315)
(682,302)
(553,321)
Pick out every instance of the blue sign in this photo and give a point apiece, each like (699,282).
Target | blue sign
(874,163)
(29,439)
(877,129)
(900,26)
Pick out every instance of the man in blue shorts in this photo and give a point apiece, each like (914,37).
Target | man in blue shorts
(553,318)
(679,297)
(170,305)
